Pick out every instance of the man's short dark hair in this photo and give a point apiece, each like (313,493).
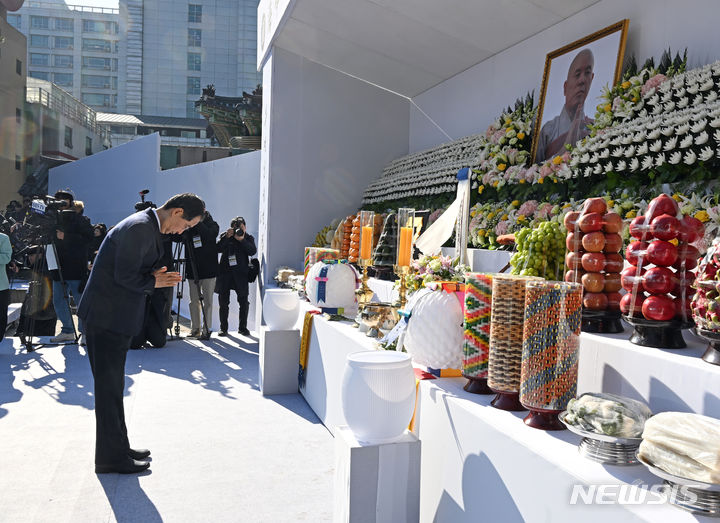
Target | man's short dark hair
(191,204)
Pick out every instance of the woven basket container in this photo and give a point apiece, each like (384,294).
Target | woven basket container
(478,306)
(551,339)
(506,332)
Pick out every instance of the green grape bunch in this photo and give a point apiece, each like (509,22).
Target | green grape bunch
(540,251)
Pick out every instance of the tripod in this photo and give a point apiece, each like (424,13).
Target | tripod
(35,270)
(189,257)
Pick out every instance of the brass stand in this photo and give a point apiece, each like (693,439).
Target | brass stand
(364,293)
(402,271)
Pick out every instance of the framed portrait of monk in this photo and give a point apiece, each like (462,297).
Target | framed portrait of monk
(573,80)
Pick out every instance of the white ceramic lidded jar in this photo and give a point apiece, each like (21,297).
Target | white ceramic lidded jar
(378,395)
(280,308)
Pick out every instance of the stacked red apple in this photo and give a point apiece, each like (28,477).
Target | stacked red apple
(659,280)
(593,243)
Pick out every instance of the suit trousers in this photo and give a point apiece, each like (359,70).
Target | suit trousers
(107,351)
(243,305)
(207,285)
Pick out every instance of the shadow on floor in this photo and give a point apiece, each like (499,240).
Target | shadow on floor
(127,498)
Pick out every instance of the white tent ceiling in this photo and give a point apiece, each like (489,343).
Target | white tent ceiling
(409,46)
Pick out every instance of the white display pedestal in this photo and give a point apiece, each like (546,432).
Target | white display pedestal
(376,483)
(279,356)
(483,260)
(484,464)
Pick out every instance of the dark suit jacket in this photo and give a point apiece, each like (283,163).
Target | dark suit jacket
(234,276)
(121,277)
(206,256)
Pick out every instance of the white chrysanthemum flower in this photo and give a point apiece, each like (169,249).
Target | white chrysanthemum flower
(716,135)
(615,140)
(594,158)
(715,123)
(654,99)
(588,171)
(639,136)
(642,148)
(585,158)
(680,92)
(656,146)
(626,139)
(690,157)
(692,89)
(648,162)
(657,109)
(617,152)
(608,167)
(574,161)
(666,97)
(605,153)
(660,160)
(686,142)
(665,87)
(669,106)
(652,124)
(706,154)
(702,138)
(654,134)
(621,165)
(630,151)
(598,169)
(593,146)
(668,131)
(675,158)
(683,103)
(711,97)
(643,113)
(699,126)
(682,129)
(634,164)
(707,85)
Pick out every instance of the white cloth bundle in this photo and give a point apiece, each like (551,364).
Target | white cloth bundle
(686,445)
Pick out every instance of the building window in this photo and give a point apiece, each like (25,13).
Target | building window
(193,85)
(18,67)
(96,82)
(93,44)
(194,37)
(98,26)
(96,99)
(64,42)
(63,60)
(195,13)
(88,146)
(68,137)
(114,82)
(64,24)
(15,21)
(194,61)
(40,75)
(93,62)
(39,22)
(40,41)
(63,79)
(39,59)
(18,115)
(18,163)
(190,110)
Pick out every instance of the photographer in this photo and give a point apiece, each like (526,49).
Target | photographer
(73,235)
(5,256)
(235,247)
(201,239)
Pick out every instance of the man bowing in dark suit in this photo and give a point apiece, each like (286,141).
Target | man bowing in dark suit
(113,307)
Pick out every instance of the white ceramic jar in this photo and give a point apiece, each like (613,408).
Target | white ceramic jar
(378,395)
(280,309)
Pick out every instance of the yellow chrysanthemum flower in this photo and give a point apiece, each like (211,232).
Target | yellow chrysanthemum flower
(515,203)
(496,183)
(611,203)
(501,167)
(481,232)
(567,206)
(630,214)
(521,180)
(480,189)
(541,180)
(521,218)
(504,217)
(676,197)
(490,215)
(702,216)
(557,160)
(625,84)
(520,135)
(607,108)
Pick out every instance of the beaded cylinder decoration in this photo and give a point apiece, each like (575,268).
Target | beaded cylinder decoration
(551,340)
(476,346)
(506,335)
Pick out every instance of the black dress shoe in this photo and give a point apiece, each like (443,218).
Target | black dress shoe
(222,333)
(138,453)
(244,332)
(128,467)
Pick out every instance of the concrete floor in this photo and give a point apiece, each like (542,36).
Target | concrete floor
(221,452)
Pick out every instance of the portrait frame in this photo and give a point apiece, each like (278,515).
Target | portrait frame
(550,75)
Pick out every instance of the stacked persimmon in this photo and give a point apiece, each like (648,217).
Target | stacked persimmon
(659,280)
(593,246)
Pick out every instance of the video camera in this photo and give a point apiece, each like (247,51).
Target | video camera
(47,214)
(6,223)
(142,204)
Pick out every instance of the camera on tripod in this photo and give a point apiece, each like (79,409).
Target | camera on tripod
(142,204)
(47,214)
